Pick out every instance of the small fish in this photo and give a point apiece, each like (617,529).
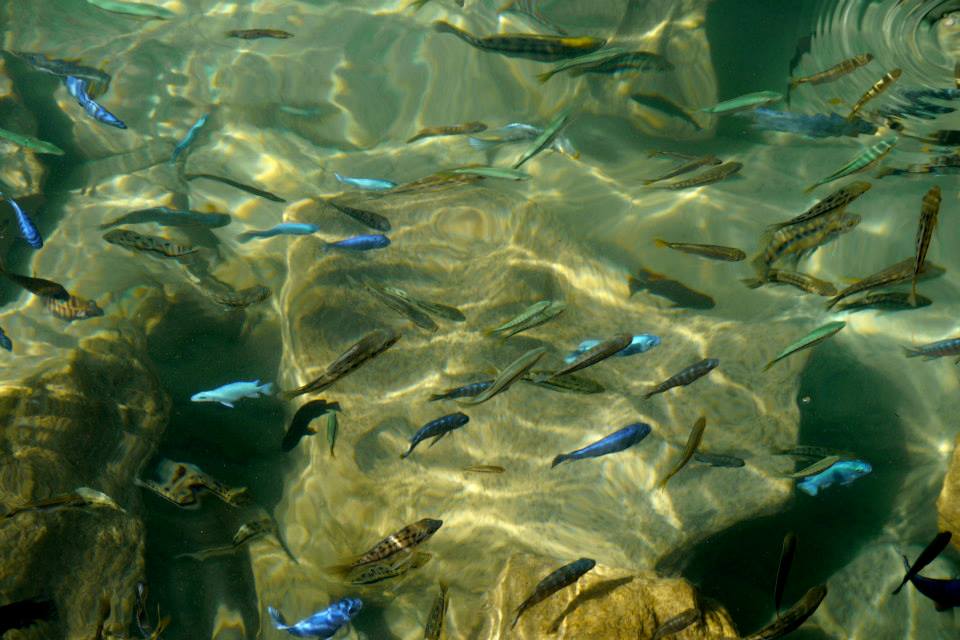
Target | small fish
(833,203)
(534,315)
(802,281)
(434,627)
(717,460)
(465,391)
(834,72)
(134,9)
(29,142)
(686,376)
(237,185)
(449,130)
(80,498)
(485,468)
(710,176)
(282,229)
(676,292)
(526,45)
(794,616)
(693,441)
(77,87)
(5,340)
(677,623)
(441,310)
(879,87)
(230,393)
(189,138)
(65,68)
(929,211)
(403,540)
(241,299)
(547,138)
(611,60)
(27,229)
(817,467)
(813,338)
(787,552)
(712,251)
(368,218)
(397,300)
(75,308)
(493,172)
(365,349)
(360,243)
(813,451)
(666,106)
(562,577)
(519,132)
(393,568)
(567,383)
(900,272)
(505,379)
(934,350)
(436,429)
(182,482)
(686,167)
(617,441)
(37,286)
(323,624)
(596,354)
(367,184)
(638,344)
(859,163)
(332,426)
(887,301)
(434,182)
(254,34)
(944,593)
(843,472)
(803,239)
(167,217)
(132,240)
(817,125)
(744,102)
(928,555)
(300,424)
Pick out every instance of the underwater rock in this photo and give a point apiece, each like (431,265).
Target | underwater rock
(948,503)
(21,174)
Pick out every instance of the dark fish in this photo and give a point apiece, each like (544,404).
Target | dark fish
(399,303)
(485,468)
(65,68)
(237,185)
(436,429)
(438,612)
(368,218)
(599,353)
(527,45)
(929,211)
(38,286)
(900,272)
(567,383)
(879,87)
(368,347)
(714,174)
(686,167)
(300,424)
(693,441)
(143,621)
(686,376)
(718,460)
(813,451)
(611,63)
(242,298)
(167,217)
(562,577)
(253,34)
(141,242)
(938,349)
(403,540)
(676,292)
(885,300)
(613,443)
(712,251)
(787,551)
(836,201)
(505,379)
(928,555)
(332,426)
(391,568)
(664,105)
(23,613)
(465,391)
(74,308)
(794,617)
(802,281)
(444,311)
(449,130)
(834,72)
(677,623)
(802,239)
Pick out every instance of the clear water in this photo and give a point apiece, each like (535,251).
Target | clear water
(103,401)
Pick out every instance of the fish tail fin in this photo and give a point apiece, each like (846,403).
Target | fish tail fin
(406,453)
(266,389)
(278,620)
(482,145)
(832,302)
(441,26)
(436,396)
(660,242)
(563,457)
(546,75)
(415,138)
(634,284)
(906,567)
(811,188)
(649,394)
(795,82)
(767,366)
(910,352)
(752,283)
(339,570)
(246,236)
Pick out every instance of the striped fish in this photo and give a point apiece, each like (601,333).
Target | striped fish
(802,238)
(929,211)
(932,350)
(694,372)
(27,228)
(402,540)
(879,87)
(861,162)
(802,281)
(74,308)
(836,201)
(834,72)
(715,174)
(527,45)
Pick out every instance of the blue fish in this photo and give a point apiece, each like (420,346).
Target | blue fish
(944,593)
(465,391)
(282,229)
(639,344)
(843,473)
(77,87)
(27,228)
(436,429)
(323,624)
(814,126)
(616,441)
(189,138)
(369,184)
(5,340)
(360,243)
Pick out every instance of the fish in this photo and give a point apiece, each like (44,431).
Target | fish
(241,299)
(744,102)
(673,290)
(638,344)
(787,552)
(928,555)
(929,211)
(686,167)
(167,217)
(813,338)
(441,310)
(434,626)
(143,623)
(189,138)
(254,34)
(403,540)
(519,132)
(531,46)
(617,441)
(833,203)
(505,379)
(399,302)
(866,158)
(485,468)
(29,142)
(81,497)
(5,340)
(817,467)
(367,218)
(300,423)
(134,241)
(27,229)
(547,138)
(611,60)
(562,577)
(836,71)
(436,429)
(596,354)
(134,9)
(323,624)
(934,350)
(332,426)
(365,349)
(393,568)
(567,383)
(77,87)
(360,243)
(817,125)
(717,460)
(879,87)
(266,195)
(710,176)
(526,8)
(464,391)
(804,238)
(282,229)
(493,172)
(802,281)
(712,251)
(367,184)
(182,482)
(448,130)
(794,616)
(664,105)
(230,393)
(677,623)
(433,182)
(693,441)
(65,68)
(534,315)
(37,286)
(843,472)
(686,376)
(899,272)
(886,300)
(74,308)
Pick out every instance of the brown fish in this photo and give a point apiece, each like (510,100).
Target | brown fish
(562,577)
(527,45)
(879,87)
(801,281)
(433,182)
(242,298)
(787,552)
(693,441)
(434,627)
(834,72)
(404,539)
(38,286)
(141,242)
(485,468)
(660,285)
(368,218)
(599,353)
(74,308)
(806,237)
(794,617)
(833,203)
(253,34)
(677,623)
(712,251)
(690,374)
(449,130)
(929,211)
(899,272)
(367,348)
(716,174)
(686,167)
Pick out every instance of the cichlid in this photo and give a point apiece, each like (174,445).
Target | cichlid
(505,379)
(617,441)
(673,290)
(5,340)
(27,229)
(519,132)
(434,626)
(562,577)
(435,308)
(367,184)
(944,593)
(400,541)
(567,383)
(237,185)
(189,138)
(80,497)
(686,167)
(534,315)
(843,472)
(693,441)
(934,350)
(787,551)
(399,302)
(710,176)
(434,182)
(547,138)
(526,45)
(686,376)
(886,301)
(744,102)
(879,87)
(815,125)
(360,243)
(230,393)
(718,460)
(492,172)
(465,391)
(242,298)
(802,281)
(712,251)
(928,555)
(392,568)
(134,9)
(929,211)
(664,105)
(802,239)
(142,242)
(77,87)
(367,348)
(638,344)
(65,68)
(300,423)
(833,203)
(256,34)
(29,142)
(167,217)
(834,72)
(484,468)
(333,425)
(364,217)
(436,429)
(37,286)
(899,272)
(793,617)
(611,60)
(323,624)
(74,308)
(868,157)
(181,483)
(595,354)
(282,229)
(449,130)
(677,623)
(813,338)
